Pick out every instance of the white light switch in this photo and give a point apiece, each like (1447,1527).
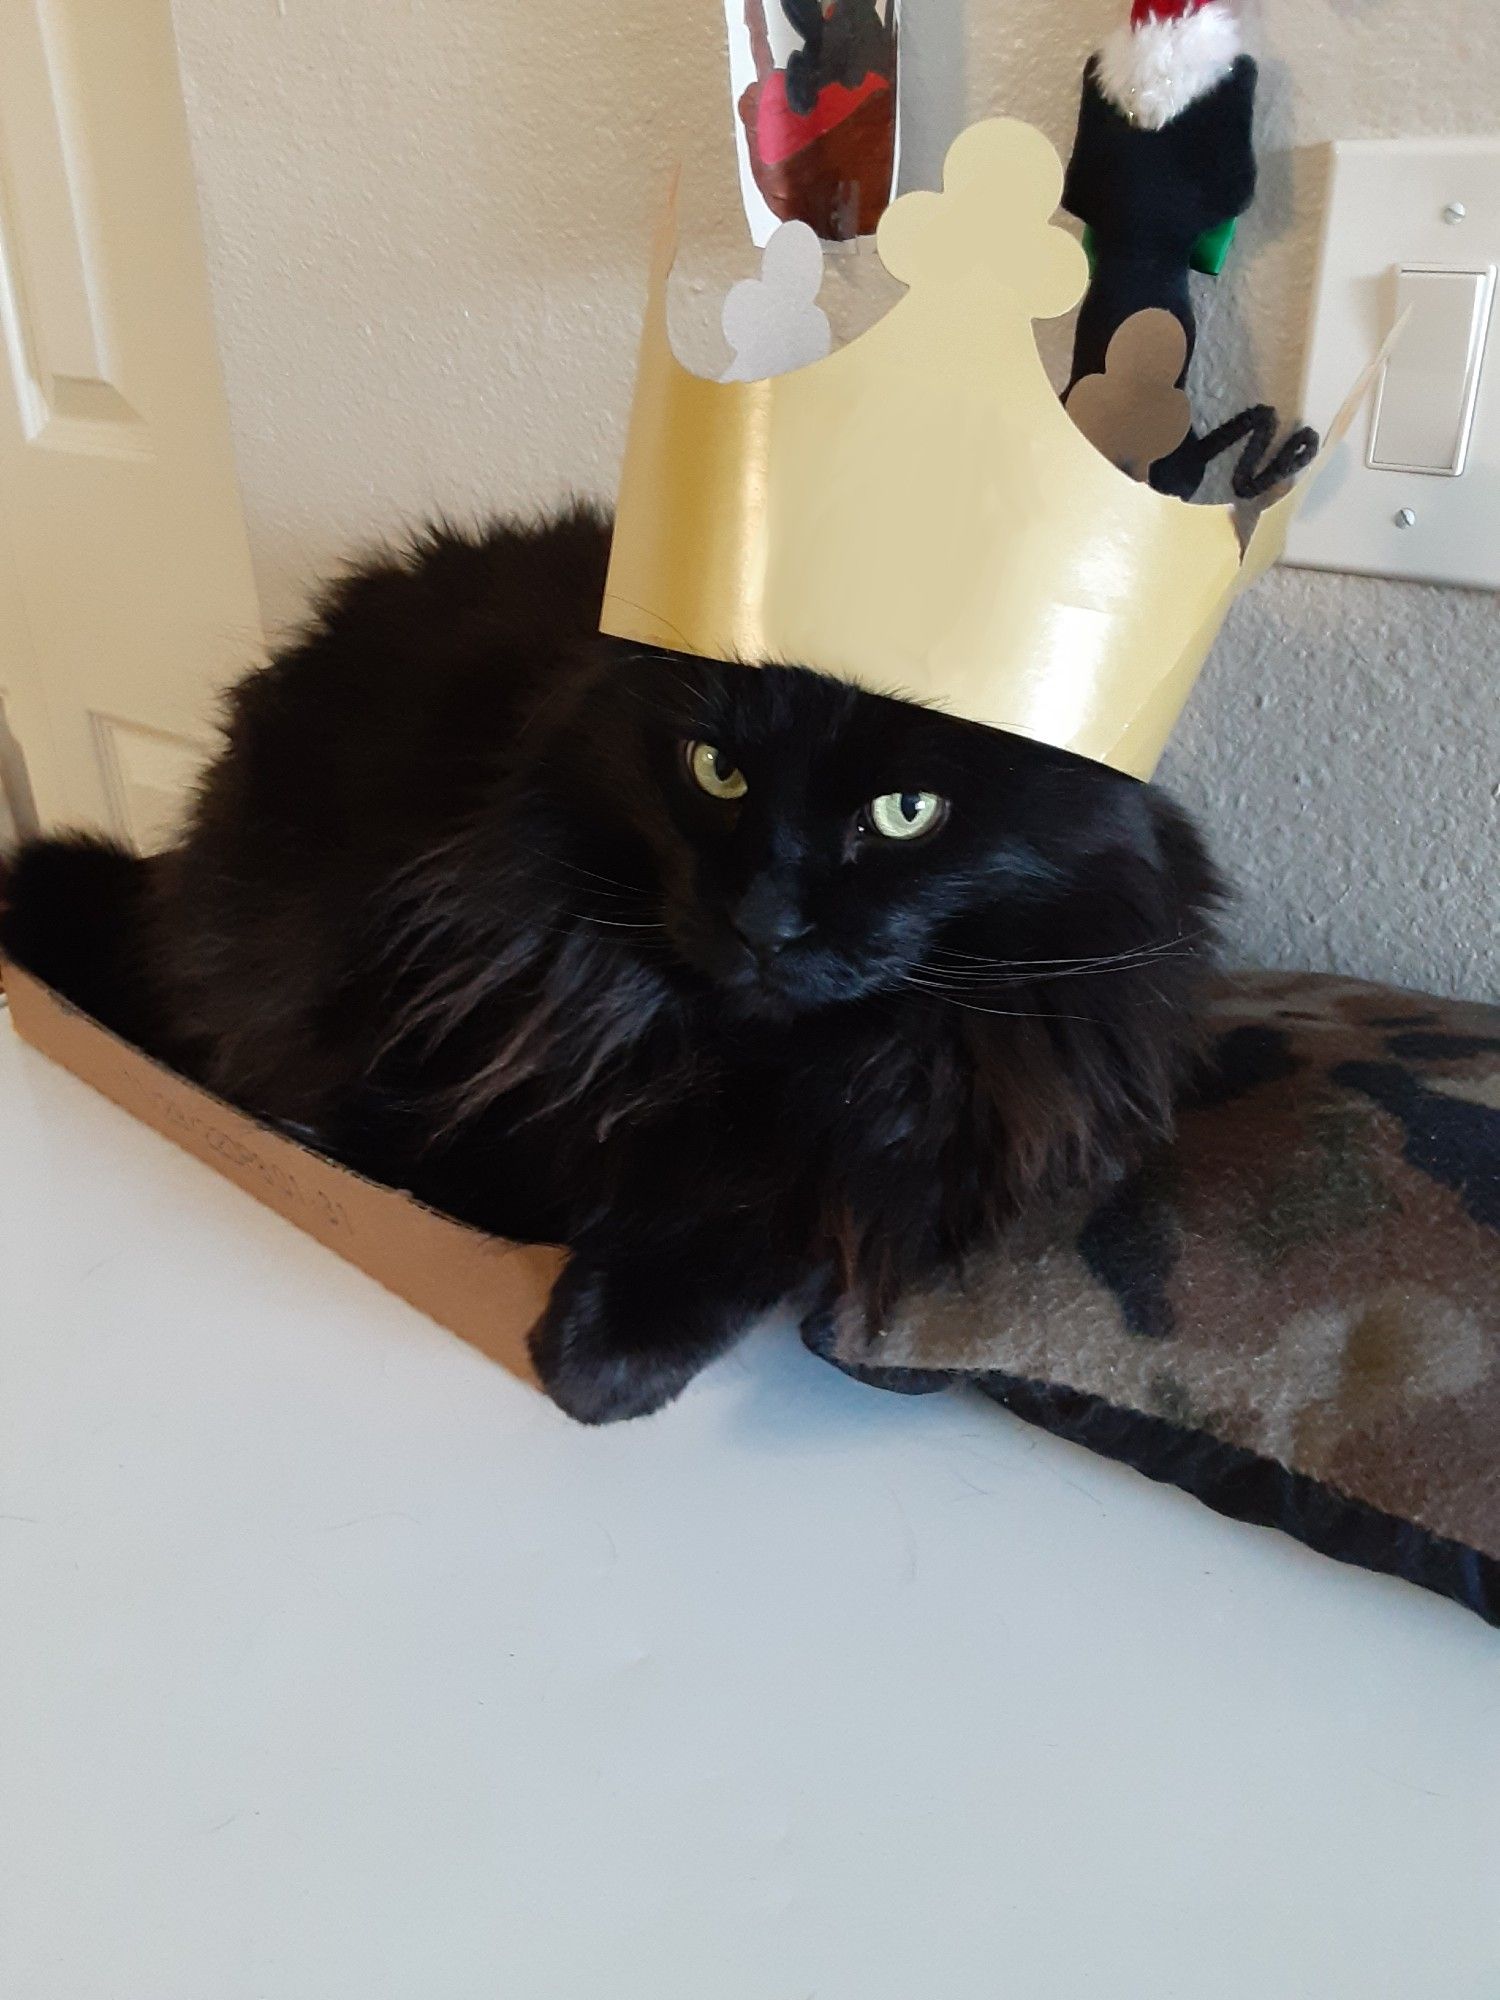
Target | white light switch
(1424,411)
(1414,490)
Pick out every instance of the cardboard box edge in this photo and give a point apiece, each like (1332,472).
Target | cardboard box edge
(483,1289)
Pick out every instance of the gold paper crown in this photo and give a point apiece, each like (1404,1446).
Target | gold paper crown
(917,513)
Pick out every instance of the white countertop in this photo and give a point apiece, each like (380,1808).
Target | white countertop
(338,1666)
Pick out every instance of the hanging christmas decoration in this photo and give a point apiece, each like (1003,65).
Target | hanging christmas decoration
(1163,166)
(816,127)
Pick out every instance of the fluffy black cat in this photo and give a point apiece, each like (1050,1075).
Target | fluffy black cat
(742,984)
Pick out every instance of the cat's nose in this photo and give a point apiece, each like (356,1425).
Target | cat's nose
(768,919)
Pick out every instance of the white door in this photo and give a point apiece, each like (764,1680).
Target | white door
(126,598)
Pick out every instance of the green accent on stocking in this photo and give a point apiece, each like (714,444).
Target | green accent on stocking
(1211,251)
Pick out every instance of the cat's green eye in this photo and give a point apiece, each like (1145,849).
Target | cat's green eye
(906,815)
(714,772)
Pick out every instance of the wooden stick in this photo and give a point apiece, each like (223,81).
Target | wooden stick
(760,39)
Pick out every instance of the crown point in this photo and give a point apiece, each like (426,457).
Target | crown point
(1002,182)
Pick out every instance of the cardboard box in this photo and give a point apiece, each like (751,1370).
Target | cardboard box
(486,1291)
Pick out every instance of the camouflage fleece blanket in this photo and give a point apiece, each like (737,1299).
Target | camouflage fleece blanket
(1294,1311)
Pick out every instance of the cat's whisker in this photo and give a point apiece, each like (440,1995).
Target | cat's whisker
(993,982)
(593,875)
(575,923)
(1017,975)
(697,706)
(1154,944)
(1161,947)
(999,1013)
(1038,969)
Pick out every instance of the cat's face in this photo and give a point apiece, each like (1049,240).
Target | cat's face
(808,844)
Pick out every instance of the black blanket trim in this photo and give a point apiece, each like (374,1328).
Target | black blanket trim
(1234,1482)
(1247,1487)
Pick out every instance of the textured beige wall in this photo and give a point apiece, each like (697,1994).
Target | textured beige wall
(425,221)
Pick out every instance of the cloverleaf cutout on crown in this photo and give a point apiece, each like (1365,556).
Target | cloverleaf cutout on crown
(1002,183)
(774,323)
(1134,412)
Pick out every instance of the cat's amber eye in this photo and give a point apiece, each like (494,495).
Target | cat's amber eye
(906,815)
(714,772)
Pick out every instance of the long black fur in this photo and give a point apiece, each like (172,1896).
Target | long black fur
(451,906)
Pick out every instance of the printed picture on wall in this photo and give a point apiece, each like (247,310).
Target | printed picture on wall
(816,127)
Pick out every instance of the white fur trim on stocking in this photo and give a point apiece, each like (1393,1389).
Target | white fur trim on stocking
(1155,72)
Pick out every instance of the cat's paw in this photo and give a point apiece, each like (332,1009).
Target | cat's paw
(597,1370)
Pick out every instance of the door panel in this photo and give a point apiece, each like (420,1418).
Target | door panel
(18,814)
(57,316)
(147,775)
(126,598)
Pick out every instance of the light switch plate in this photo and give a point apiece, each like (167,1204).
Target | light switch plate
(1426,204)
(1428,395)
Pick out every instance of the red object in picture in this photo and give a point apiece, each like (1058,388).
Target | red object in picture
(821,132)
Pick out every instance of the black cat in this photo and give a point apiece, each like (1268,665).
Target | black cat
(740,983)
